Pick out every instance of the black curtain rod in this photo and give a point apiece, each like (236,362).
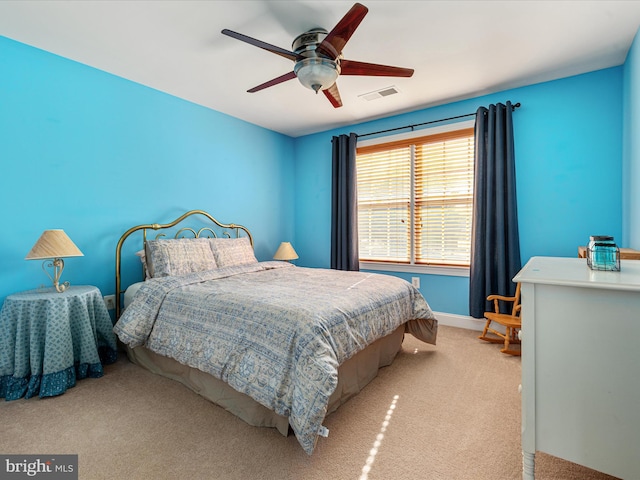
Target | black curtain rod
(513,107)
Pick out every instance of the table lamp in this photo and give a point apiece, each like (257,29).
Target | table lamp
(285,252)
(52,246)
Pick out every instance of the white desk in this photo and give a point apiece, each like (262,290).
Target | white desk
(581,365)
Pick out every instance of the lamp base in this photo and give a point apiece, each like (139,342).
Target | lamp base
(61,287)
(58,266)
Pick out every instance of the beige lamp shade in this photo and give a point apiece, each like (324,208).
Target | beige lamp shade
(285,252)
(53,244)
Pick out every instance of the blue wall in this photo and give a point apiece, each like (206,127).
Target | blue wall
(95,154)
(568,143)
(631,169)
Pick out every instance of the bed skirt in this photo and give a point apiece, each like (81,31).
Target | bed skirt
(353,375)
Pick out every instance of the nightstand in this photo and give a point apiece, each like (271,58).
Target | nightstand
(50,339)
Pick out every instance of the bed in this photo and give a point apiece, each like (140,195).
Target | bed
(276,344)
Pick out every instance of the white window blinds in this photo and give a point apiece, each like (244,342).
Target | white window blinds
(415,200)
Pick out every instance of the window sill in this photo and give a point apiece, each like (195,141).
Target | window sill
(423,269)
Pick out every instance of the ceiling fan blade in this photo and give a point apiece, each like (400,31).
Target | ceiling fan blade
(350,67)
(259,43)
(275,81)
(337,38)
(333,95)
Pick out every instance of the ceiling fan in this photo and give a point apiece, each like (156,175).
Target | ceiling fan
(318,57)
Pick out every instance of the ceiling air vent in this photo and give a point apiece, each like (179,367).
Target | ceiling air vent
(384,92)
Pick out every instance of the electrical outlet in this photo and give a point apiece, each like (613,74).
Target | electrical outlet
(415,281)
(110,302)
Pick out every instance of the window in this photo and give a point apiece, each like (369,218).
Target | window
(415,199)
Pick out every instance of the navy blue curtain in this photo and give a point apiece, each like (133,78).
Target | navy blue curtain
(344,204)
(495,243)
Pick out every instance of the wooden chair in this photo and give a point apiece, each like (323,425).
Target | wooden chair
(510,321)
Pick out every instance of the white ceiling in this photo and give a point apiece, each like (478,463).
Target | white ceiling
(459,49)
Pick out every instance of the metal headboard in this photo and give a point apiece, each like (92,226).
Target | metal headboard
(227,230)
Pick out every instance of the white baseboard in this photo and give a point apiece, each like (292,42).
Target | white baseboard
(460,321)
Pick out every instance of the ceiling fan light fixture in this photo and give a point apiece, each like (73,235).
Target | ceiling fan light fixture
(317,73)
(317,55)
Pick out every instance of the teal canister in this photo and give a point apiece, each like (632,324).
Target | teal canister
(602,253)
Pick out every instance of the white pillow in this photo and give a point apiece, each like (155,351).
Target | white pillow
(143,259)
(178,256)
(229,252)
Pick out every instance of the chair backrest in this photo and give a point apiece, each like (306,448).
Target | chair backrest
(515,311)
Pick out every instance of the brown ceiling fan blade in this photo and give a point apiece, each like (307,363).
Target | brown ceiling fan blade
(259,43)
(333,95)
(275,81)
(350,67)
(337,38)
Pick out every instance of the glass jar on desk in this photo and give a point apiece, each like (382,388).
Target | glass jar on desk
(603,253)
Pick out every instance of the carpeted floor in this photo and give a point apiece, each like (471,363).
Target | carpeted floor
(449,412)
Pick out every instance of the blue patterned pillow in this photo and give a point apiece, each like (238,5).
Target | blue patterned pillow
(229,252)
(179,256)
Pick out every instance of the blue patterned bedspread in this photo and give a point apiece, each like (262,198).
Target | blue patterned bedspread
(271,330)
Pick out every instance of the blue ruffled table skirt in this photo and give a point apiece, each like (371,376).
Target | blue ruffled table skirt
(52,384)
(49,340)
